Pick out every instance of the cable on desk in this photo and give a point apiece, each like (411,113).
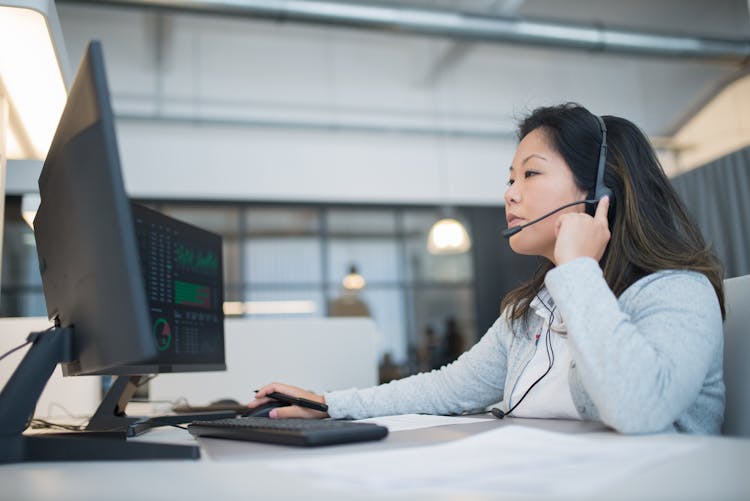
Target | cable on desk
(12,350)
(30,339)
(37,424)
(146,380)
(157,401)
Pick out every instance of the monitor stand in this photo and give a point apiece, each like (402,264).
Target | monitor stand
(18,400)
(110,417)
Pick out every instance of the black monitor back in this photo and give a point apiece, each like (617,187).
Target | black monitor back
(85,236)
(103,262)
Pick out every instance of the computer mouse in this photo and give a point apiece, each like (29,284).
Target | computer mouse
(227,402)
(263,410)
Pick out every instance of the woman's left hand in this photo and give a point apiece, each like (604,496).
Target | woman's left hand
(580,235)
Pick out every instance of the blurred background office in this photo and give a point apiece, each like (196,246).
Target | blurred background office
(324,140)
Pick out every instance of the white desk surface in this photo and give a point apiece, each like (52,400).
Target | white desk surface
(718,470)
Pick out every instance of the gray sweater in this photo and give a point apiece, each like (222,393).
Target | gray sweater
(648,361)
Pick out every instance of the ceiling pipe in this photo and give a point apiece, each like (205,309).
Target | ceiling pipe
(467,26)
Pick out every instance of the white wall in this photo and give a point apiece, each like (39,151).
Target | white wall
(207,106)
(62,397)
(318,354)
(232,163)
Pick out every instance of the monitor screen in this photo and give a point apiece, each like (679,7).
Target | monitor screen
(142,294)
(182,272)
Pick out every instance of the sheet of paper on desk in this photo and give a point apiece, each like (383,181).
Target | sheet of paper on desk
(415,421)
(512,459)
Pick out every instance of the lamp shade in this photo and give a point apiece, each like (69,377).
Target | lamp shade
(353,281)
(33,75)
(33,83)
(448,236)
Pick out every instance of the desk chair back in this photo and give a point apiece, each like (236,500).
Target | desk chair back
(737,356)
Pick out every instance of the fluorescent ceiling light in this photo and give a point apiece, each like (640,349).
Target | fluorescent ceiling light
(279,307)
(11,142)
(32,75)
(269,307)
(234,308)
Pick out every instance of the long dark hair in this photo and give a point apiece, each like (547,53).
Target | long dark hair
(650,227)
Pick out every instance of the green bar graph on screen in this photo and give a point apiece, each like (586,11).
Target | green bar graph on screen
(196,261)
(187,293)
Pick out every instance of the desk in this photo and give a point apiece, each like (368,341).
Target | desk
(238,470)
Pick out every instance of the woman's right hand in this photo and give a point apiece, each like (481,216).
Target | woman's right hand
(291,411)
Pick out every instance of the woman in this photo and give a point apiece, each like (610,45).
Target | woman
(621,324)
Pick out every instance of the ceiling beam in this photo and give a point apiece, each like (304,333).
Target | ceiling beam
(473,27)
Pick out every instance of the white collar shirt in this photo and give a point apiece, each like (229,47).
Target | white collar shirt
(550,397)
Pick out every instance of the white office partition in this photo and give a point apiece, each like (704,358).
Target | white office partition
(318,354)
(78,396)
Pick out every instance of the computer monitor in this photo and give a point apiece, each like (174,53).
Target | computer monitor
(131,291)
(85,237)
(181,267)
(182,273)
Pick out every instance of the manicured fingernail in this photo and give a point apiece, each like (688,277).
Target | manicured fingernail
(273,414)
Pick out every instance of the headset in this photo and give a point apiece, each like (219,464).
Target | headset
(600,189)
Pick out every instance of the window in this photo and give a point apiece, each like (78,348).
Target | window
(22,294)
(288,261)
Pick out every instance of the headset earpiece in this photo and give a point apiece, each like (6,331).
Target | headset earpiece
(600,189)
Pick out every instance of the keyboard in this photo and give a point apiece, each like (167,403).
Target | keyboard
(304,432)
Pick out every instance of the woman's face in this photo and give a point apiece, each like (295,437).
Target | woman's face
(540,181)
